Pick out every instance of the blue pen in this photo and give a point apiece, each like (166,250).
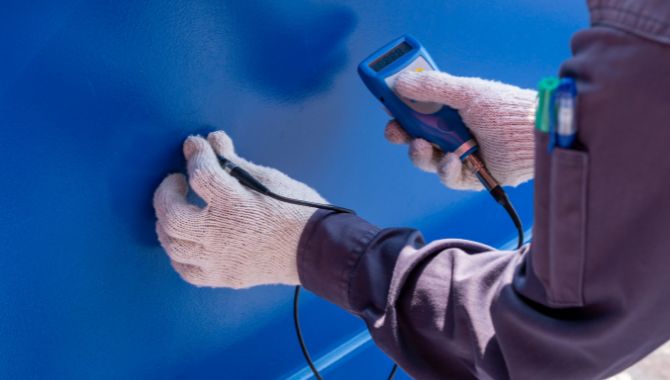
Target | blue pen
(564,105)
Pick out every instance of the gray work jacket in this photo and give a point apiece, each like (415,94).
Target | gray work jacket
(589,296)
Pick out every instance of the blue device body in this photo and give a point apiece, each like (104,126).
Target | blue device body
(438,124)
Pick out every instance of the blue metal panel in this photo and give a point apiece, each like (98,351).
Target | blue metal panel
(95,99)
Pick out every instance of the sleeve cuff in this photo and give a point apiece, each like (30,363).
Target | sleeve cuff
(329,250)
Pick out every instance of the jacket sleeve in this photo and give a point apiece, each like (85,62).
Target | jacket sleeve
(588,297)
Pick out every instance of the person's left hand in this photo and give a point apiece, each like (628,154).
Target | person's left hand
(241,238)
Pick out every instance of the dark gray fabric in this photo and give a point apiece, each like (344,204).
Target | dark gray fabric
(589,296)
(646,18)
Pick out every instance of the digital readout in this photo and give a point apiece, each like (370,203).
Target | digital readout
(390,57)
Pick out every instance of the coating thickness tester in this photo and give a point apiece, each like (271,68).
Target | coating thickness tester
(437,123)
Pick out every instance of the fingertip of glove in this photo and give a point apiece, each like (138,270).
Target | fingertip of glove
(409,76)
(192,274)
(406,81)
(425,85)
(455,175)
(412,79)
(420,148)
(395,134)
(174,181)
(193,144)
(423,155)
(173,184)
(221,142)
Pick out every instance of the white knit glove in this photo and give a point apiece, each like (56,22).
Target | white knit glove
(500,116)
(241,238)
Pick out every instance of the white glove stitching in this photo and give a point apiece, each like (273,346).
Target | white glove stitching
(241,238)
(500,116)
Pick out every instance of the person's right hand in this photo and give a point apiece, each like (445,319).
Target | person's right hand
(500,116)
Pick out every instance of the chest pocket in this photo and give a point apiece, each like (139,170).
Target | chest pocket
(568,180)
(558,250)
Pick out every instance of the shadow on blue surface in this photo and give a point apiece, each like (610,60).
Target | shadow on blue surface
(290,51)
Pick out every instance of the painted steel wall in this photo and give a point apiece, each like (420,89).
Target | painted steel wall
(95,99)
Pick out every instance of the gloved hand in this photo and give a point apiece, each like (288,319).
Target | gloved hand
(241,238)
(500,116)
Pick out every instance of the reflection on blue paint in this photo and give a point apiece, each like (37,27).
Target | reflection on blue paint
(338,353)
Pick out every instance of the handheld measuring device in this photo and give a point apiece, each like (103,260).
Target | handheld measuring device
(437,123)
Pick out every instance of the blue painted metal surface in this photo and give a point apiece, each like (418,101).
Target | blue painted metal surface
(95,99)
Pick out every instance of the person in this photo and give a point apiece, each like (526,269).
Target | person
(586,299)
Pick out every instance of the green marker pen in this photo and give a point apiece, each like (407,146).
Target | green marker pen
(544,114)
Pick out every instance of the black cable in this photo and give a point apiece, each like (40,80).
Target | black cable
(249,181)
(517,222)
(298,332)
(252,183)
(394,369)
(501,197)
(310,204)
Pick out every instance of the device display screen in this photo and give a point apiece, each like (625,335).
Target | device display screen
(390,57)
